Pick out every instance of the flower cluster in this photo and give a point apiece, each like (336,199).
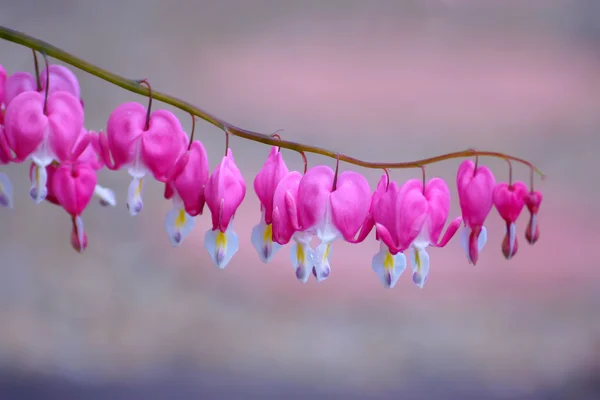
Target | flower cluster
(42,123)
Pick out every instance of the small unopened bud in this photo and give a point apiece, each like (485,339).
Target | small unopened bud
(532,232)
(79,247)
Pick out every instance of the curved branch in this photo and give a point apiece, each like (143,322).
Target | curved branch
(135,87)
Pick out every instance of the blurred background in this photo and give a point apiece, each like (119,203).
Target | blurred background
(379,80)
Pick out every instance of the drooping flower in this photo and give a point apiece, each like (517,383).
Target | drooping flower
(286,225)
(61,79)
(437,195)
(265,183)
(185,187)
(6,189)
(475,193)
(43,132)
(399,215)
(224,192)
(509,201)
(331,211)
(86,151)
(144,144)
(2,90)
(533,201)
(73,185)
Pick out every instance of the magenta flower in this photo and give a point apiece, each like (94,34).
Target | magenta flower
(509,201)
(437,196)
(475,194)
(185,188)
(224,192)
(2,91)
(286,225)
(43,132)
(73,185)
(399,214)
(61,79)
(265,183)
(143,145)
(330,211)
(6,188)
(533,201)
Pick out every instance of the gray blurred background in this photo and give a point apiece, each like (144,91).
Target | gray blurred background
(379,80)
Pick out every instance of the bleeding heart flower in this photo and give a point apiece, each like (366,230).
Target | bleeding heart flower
(143,144)
(265,184)
(2,90)
(6,188)
(509,201)
(73,185)
(533,201)
(85,152)
(475,193)
(286,225)
(331,209)
(43,133)
(437,196)
(186,188)
(400,214)
(224,192)
(61,79)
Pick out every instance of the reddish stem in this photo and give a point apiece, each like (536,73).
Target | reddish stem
(149,111)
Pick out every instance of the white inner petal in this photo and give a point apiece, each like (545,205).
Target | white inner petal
(134,196)
(178,225)
(39,189)
(262,240)
(388,267)
(221,246)
(106,195)
(322,257)
(302,257)
(6,191)
(43,155)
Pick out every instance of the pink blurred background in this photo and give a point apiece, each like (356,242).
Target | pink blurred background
(379,80)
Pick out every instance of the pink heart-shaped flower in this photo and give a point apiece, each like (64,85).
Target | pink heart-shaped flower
(189,179)
(224,192)
(350,203)
(73,186)
(510,200)
(157,147)
(18,83)
(27,126)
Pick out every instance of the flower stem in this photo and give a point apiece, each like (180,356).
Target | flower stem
(135,87)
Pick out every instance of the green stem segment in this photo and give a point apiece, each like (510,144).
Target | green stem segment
(135,87)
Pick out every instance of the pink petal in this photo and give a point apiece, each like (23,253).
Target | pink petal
(285,211)
(190,181)
(437,194)
(2,84)
(61,79)
(65,117)
(510,200)
(273,170)
(163,143)
(25,123)
(125,125)
(350,203)
(385,216)
(475,190)
(92,154)
(73,185)
(313,194)
(224,192)
(369,221)
(411,212)
(18,83)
